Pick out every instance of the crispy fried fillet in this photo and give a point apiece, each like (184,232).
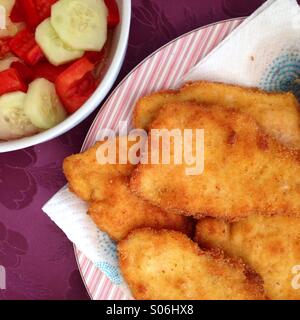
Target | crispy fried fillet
(87,178)
(270,245)
(123,211)
(167,265)
(276,113)
(112,206)
(245,171)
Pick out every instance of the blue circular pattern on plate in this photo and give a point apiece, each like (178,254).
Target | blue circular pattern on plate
(283,74)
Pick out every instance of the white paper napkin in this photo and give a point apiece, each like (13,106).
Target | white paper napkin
(70,214)
(258,53)
(263,52)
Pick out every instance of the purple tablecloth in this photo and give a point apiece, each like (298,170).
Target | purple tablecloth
(38,258)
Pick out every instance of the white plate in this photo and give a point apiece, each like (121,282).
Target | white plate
(161,70)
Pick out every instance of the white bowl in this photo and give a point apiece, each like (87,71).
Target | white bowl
(115,61)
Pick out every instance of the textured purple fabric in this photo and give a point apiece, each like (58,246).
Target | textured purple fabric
(38,258)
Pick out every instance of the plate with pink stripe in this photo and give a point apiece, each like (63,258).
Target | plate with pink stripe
(161,70)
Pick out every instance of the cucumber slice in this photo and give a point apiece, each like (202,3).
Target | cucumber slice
(42,105)
(56,51)
(14,123)
(7,5)
(81,24)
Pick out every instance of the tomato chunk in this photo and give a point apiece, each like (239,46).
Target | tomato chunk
(4,47)
(16,14)
(35,11)
(30,13)
(113,13)
(48,71)
(25,72)
(10,81)
(76,84)
(24,46)
(43,8)
(22,43)
(34,55)
(95,56)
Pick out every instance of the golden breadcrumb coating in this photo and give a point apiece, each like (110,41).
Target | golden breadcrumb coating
(270,245)
(167,265)
(245,171)
(277,113)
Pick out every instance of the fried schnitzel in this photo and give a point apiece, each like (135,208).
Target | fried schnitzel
(167,265)
(112,206)
(87,178)
(122,211)
(270,245)
(277,113)
(246,172)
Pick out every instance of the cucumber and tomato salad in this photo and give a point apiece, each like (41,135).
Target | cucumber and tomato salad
(48,59)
